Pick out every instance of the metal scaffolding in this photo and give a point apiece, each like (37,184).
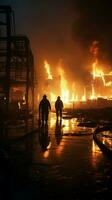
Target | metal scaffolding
(16,68)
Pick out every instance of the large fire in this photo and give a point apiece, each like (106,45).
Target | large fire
(60,86)
(99,87)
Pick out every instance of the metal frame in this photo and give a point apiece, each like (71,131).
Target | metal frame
(16,64)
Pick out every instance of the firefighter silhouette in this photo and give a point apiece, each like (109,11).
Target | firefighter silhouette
(59,107)
(44,108)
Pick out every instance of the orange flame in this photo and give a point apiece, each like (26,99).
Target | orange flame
(84,96)
(98,72)
(69,92)
(93,93)
(47,67)
(64,86)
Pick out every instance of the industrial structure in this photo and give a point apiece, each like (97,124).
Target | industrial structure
(16,68)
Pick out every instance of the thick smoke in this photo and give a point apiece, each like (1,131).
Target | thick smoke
(65,30)
(93,21)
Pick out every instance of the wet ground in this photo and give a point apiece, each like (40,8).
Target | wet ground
(57,161)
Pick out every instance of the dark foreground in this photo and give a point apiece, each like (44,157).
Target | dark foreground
(58,161)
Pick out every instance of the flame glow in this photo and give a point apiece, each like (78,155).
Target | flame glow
(64,86)
(47,67)
(98,72)
(69,91)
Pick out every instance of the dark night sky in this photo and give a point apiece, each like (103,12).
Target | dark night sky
(64,28)
(93,22)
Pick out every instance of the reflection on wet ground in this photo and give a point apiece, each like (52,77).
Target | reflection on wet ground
(58,131)
(59,161)
(44,138)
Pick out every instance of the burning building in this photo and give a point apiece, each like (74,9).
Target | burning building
(97,93)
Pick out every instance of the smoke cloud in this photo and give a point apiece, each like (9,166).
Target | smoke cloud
(65,30)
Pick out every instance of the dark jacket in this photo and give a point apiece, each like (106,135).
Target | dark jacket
(58,104)
(44,105)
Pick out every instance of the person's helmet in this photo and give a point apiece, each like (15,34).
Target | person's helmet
(45,96)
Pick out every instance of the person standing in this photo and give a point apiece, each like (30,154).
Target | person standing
(44,108)
(59,107)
